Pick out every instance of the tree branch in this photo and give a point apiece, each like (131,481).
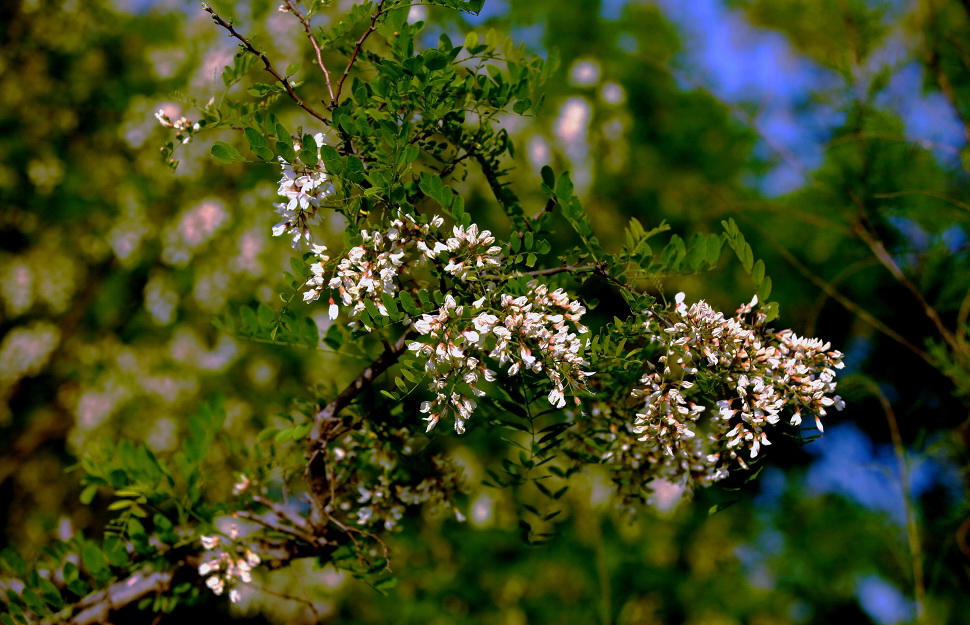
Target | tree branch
(847,303)
(326,419)
(313,42)
(268,66)
(98,606)
(878,250)
(505,196)
(357,47)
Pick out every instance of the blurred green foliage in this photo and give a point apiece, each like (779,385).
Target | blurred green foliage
(112,269)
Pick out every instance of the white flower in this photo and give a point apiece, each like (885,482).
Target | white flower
(216,583)
(210,542)
(241,485)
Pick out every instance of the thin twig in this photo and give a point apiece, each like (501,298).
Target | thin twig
(268,66)
(888,136)
(847,303)
(548,272)
(360,44)
(912,528)
(282,595)
(324,423)
(938,196)
(313,42)
(880,252)
(274,526)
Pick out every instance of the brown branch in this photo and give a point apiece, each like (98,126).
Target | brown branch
(268,66)
(357,47)
(325,421)
(847,303)
(934,194)
(313,42)
(880,252)
(549,271)
(505,196)
(98,606)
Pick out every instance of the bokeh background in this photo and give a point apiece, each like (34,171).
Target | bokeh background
(808,121)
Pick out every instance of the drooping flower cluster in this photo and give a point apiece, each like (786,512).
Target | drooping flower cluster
(538,332)
(379,495)
(224,567)
(765,374)
(303,188)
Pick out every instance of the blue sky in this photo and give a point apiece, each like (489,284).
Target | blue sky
(741,63)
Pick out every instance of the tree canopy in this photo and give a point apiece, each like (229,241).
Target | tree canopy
(465,312)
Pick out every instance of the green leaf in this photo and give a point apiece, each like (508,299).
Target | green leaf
(87,495)
(308,150)
(391,305)
(257,143)
(285,149)
(265,315)
(771,310)
(764,292)
(331,159)
(226,153)
(71,572)
(548,177)
(435,60)
(282,134)
(248,319)
(373,311)
(94,561)
(758,273)
(354,170)
(407,303)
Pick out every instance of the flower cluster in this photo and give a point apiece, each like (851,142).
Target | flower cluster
(184,128)
(764,374)
(382,479)
(538,332)
(373,268)
(471,251)
(303,189)
(223,566)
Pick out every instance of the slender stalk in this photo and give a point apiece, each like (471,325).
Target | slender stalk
(912,526)
(880,252)
(313,42)
(267,65)
(353,57)
(847,303)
